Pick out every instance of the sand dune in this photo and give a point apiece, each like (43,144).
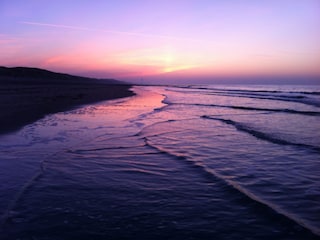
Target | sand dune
(28,94)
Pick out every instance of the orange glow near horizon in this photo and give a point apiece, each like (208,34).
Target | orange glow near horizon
(165,39)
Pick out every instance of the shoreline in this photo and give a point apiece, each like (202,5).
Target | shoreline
(22,104)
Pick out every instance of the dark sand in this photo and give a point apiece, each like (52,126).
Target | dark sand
(23,101)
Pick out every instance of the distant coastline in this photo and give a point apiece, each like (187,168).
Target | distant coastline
(28,94)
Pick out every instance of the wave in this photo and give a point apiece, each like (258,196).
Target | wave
(141,171)
(254,95)
(254,91)
(308,113)
(261,135)
(262,95)
(265,207)
(291,111)
(79,151)
(271,97)
(5,217)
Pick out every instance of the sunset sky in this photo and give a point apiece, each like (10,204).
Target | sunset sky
(164,40)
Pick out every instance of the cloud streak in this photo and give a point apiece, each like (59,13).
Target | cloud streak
(137,34)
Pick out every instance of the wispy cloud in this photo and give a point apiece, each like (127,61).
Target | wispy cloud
(107,31)
(7,39)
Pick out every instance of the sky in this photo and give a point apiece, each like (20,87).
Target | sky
(165,41)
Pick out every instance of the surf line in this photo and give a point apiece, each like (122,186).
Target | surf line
(267,206)
(7,213)
(261,135)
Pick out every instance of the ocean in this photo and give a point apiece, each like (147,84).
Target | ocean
(171,162)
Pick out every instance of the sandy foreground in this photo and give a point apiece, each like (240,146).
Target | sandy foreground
(21,104)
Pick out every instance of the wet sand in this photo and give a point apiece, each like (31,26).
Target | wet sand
(24,102)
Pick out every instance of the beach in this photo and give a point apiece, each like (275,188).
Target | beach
(26,97)
(188,162)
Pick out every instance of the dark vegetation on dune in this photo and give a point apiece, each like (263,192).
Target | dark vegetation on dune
(28,94)
(41,76)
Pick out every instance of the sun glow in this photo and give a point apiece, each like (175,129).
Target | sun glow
(158,60)
(175,68)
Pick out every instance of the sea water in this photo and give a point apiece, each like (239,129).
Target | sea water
(172,162)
